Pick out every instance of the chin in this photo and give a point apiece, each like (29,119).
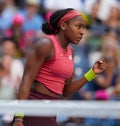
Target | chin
(76,42)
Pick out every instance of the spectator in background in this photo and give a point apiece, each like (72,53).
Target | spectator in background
(110,50)
(16,32)
(33,21)
(12,73)
(94,34)
(113,22)
(96,26)
(105,6)
(7,11)
(9,84)
(108,80)
(9,47)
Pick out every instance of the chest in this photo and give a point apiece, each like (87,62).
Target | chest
(62,65)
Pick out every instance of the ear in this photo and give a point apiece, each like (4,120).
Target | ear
(63,25)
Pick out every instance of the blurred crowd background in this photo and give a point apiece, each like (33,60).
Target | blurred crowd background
(20,29)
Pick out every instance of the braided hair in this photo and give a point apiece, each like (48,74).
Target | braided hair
(51,26)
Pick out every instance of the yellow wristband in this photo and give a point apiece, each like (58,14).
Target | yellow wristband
(19,115)
(90,75)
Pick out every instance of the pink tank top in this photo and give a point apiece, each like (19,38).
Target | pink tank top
(54,72)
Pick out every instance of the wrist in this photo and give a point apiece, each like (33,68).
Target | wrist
(90,75)
(19,119)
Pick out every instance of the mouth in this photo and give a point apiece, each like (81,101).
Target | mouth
(78,39)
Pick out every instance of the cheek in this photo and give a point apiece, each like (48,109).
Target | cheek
(72,33)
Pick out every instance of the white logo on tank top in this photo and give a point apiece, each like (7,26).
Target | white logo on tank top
(70,57)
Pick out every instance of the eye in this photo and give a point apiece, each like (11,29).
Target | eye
(80,26)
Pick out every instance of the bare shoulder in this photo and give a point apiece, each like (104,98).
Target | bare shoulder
(44,43)
(44,47)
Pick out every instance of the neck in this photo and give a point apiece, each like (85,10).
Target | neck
(62,41)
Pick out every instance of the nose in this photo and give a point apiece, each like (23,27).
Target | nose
(82,31)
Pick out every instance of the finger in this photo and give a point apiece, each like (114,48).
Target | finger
(102,64)
(105,59)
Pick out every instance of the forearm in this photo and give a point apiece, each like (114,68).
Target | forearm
(24,89)
(74,86)
(23,94)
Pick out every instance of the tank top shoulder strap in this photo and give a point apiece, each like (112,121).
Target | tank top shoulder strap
(52,37)
(55,43)
(57,46)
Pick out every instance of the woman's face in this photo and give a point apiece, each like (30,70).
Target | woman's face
(114,13)
(8,47)
(75,30)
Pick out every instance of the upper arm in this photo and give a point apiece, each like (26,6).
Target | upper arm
(41,51)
